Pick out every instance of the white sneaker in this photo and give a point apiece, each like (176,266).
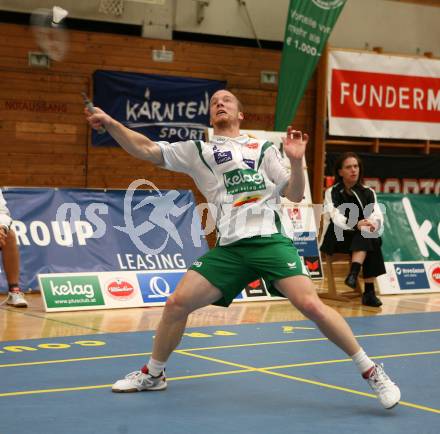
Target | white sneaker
(140,380)
(16,298)
(386,391)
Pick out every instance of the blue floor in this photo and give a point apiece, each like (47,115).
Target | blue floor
(218,385)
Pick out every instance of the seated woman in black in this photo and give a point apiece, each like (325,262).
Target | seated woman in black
(352,224)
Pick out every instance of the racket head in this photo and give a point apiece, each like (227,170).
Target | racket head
(52,38)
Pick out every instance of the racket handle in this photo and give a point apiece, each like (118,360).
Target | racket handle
(91,108)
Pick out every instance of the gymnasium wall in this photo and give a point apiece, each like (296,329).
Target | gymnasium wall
(401,26)
(405,28)
(44,136)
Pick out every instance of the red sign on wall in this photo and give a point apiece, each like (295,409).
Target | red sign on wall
(374,95)
(370,95)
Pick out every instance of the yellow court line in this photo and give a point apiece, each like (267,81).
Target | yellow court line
(80,359)
(105,386)
(344,389)
(210,374)
(305,380)
(85,359)
(61,389)
(293,365)
(244,369)
(419,407)
(217,347)
(317,383)
(213,359)
(421,353)
(298,365)
(405,332)
(254,344)
(328,362)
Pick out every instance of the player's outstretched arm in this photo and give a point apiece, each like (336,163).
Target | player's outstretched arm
(134,143)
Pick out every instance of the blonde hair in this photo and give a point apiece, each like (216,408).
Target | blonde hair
(239,103)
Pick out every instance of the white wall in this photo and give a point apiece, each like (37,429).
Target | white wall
(84,9)
(395,26)
(227,17)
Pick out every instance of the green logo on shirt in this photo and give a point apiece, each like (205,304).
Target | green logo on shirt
(242,180)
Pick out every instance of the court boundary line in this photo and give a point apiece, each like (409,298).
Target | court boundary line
(308,381)
(243,369)
(104,386)
(250,344)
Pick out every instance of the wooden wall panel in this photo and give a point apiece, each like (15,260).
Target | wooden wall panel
(43,134)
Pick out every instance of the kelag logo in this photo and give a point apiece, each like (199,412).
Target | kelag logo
(72,291)
(411,276)
(240,180)
(157,287)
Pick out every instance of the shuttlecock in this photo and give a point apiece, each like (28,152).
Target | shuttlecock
(58,15)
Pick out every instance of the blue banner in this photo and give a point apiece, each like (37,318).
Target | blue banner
(307,245)
(63,231)
(161,107)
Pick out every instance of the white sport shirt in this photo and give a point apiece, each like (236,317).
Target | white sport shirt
(242,177)
(5,218)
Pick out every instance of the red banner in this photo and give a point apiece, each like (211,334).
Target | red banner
(370,95)
(376,95)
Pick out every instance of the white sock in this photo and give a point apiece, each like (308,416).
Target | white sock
(362,361)
(155,367)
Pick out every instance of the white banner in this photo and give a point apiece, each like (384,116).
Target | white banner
(376,95)
(122,289)
(410,277)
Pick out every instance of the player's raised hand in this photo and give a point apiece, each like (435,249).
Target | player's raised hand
(295,144)
(98,118)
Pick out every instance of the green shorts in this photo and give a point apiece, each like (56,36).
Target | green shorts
(230,268)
